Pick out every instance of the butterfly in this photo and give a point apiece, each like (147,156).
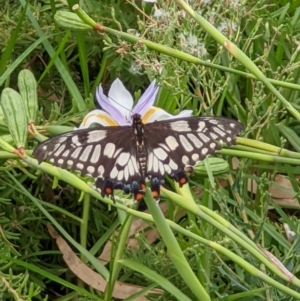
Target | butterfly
(125,157)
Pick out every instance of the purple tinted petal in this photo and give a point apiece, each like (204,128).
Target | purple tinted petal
(147,99)
(109,108)
(120,98)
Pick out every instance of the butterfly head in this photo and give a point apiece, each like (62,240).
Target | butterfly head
(136,119)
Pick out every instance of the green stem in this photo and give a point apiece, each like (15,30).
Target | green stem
(174,251)
(183,202)
(176,53)
(260,157)
(238,54)
(84,222)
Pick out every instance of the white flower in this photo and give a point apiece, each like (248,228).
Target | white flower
(117,107)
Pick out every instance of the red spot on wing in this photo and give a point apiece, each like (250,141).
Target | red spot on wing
(155,194)
(182,181)
(139,197)
(108,190)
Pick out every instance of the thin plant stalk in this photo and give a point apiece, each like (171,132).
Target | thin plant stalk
(174,251)
(170,51)
(238,54)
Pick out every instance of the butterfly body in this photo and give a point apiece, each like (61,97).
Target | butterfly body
(124,157)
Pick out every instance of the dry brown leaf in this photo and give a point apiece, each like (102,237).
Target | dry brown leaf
(51,97)
(277,263)
(283,188)
(87,275)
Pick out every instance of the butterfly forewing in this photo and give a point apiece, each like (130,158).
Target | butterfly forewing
(101,153)
(172,145)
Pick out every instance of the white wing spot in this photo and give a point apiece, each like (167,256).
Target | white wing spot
(201,126)
(171,142)
(220,132)
(59,151)
(66,153)
(51,160)
(150,161)
(164,146)
(126,173)
(160,153)
(212,145)
(44,147)
(180,126)
(96,136)
(101,170)
(130,168)
(185,143)
(70,162)
(232,125)
(161,168)
(229,139)
(134,162)
(204,138)
(60,161)
(213,135)
(123,159)
(120,175)
(75,140)
(195,157)
(195,140)
(79,165)
(173,165)
(204,151)
(90,169)
(62,139)
(85,154)
(117,152)
(221,126)
(76,152)
(155,164)
(56,146)
(96,154)
(167,169)
(109,150)
(185,160)
(213,121)
(114,173)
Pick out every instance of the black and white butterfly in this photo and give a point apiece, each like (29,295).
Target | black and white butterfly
(124,157)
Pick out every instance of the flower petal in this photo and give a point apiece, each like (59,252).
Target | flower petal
(156,114)
(183,113)
(120,98)
(147,99)
(99,117)
(109,107)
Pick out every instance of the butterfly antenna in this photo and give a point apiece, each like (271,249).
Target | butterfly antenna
(120,104)
(124,106)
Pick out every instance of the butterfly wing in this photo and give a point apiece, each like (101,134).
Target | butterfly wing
(174,144)
(111,156)
(105,153)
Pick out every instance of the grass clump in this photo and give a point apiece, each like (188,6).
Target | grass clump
(222,237)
